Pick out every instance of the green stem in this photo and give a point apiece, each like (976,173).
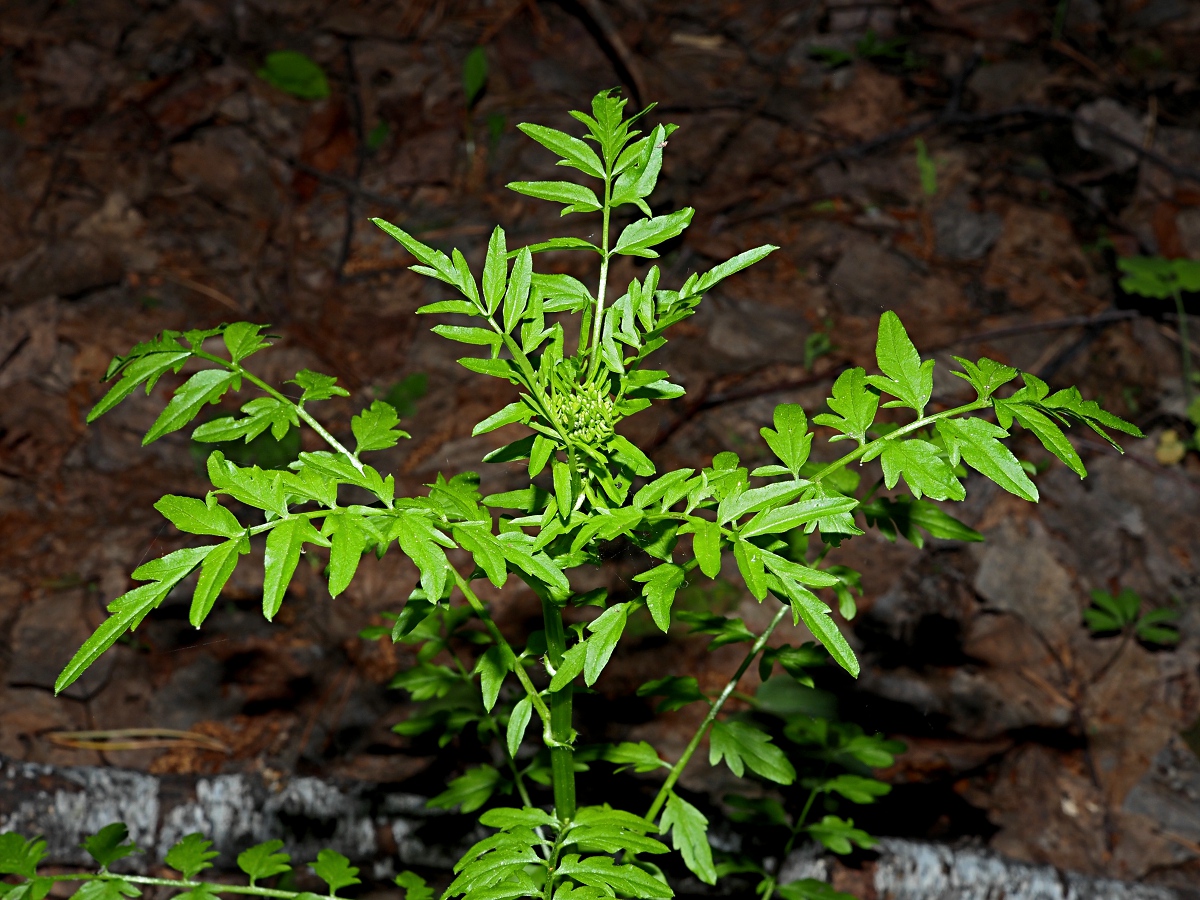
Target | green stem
(184,885)
(773,880)
(562,756)
(1185,349)
(677,769)
(519,670)
(598,320)
(899,432)
(552,863)
(304,414)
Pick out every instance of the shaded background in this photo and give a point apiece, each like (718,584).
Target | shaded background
(151,177)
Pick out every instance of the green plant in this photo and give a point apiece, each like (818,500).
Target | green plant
(1122,614)
(927,169)
(296,74)
(590,490)
(868,47)
(1157,278)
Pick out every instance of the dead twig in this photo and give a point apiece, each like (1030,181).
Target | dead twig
(135,739)
(614,46)
(210,292)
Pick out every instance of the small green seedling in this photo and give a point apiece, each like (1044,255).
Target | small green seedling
(296,74)
(1157,278)
(1121,614)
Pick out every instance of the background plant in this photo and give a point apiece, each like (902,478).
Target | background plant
(1159,279)
(592,487)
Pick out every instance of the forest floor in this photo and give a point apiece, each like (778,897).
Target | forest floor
(150,178)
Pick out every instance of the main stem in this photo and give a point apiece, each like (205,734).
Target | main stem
(562,757)
(598,321)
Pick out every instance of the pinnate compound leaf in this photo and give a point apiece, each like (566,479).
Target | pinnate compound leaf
(856,788)
(601,872)
(838,835)
(335,870)
(923,468)
(706,545)
(419,541)
(737,503)
(986,376)
(719,273)
(435,262)
(19,856)
(1069,402)
(1046,430)
(574,152)
(100,889)
(465,334)
(518,721)
(252,486)
(854,407)
(414,886)
(661,488)
(261,413)
(317,386)
(215,572)
(207,386)
(191,856)
(426,681)
(243,339)
(154,360)
(743,746)
(495,270)
(790,440)
(491,669)
(127,611)
(724,630)
(348,539)
(514,412)
(519,551)
(516,298)
(641,757)
(509,818)
(109,844)
(264,860)
(639,167)
(629,455)
(606,632)
(284,543)
(200,516)
(640,236)
(576,197)
(785,518)
(750,565)
(807,607)
(811,889)
(569,666)
(976,441)
(905,376)
(903,516)
(470,790)
(375,428)
(689,835)
(661,583)
(678,690)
